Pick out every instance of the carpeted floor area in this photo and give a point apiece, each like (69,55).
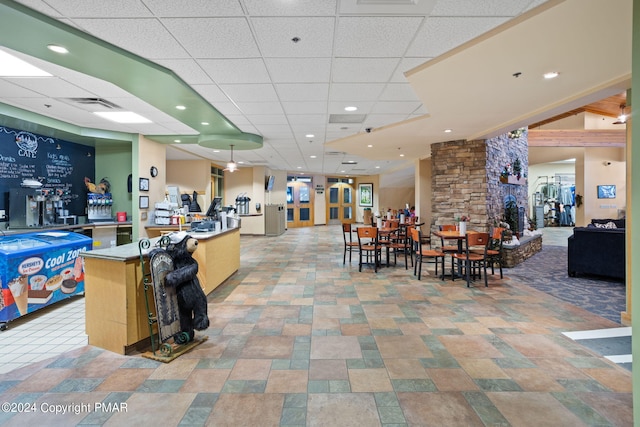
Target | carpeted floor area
(546,271)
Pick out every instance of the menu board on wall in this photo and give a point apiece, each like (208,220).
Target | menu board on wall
(59,165)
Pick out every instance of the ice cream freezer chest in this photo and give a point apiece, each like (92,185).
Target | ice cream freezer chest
(39,269)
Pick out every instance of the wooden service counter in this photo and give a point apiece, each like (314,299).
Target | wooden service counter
(116,314)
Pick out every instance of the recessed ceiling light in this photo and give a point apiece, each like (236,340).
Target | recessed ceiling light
(57,49)
(370,146)
(341,171)
(447,131)
(551,75)
(11,66)
(299,167)
(181,107)
(216,151)
(204,123)
(377,167)
(313,157)
(122,116)
(350,108)
(309,135)
(177,141)
(401,155)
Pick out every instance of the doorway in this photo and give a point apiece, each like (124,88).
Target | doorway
(299,202)
(340,201)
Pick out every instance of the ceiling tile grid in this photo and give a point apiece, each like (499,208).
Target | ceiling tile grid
(240,56)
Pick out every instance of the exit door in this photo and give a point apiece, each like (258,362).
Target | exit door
(299,204)
(341,205)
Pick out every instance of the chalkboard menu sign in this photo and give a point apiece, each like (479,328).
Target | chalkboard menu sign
(60,166)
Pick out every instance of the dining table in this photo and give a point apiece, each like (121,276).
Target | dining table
(454,235)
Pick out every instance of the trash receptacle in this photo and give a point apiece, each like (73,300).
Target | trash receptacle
(367,216)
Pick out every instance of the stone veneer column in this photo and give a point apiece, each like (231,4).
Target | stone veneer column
(466,179)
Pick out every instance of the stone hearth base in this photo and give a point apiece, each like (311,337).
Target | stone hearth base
(529,245)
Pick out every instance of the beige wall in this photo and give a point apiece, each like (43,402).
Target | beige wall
(395,198)
(190,176)
(150,153)
(597,173)
(423,191)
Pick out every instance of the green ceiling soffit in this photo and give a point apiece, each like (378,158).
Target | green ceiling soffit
(89,55)
(18,118)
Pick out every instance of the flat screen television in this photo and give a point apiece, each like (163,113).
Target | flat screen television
(270,180)
(606,191)
(214,207)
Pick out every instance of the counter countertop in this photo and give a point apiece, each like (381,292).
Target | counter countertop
(131,250)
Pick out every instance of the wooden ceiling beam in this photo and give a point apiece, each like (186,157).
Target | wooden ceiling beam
(577,138)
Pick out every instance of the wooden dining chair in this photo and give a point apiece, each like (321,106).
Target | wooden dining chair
(473,244)
(349,244)
(494,249)
(369,246)
(447,247)
(423,254)
(400,242)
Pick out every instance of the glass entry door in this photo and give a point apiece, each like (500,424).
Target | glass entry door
(299,203)
(340,203)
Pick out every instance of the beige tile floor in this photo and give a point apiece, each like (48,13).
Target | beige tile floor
(298,338)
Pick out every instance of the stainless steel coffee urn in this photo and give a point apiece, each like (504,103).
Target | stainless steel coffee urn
(242,204)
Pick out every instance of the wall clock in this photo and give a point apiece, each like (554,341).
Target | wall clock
(153,171)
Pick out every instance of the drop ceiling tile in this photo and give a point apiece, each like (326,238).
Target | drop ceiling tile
(269,119)
(296,8)
(479,8)
(211,93)
(406,64)
(305,107)
(307,70)
(249,70)
(253,92)
(54,87)
(274,36)
(439,35)
(275,131)
(375,36)
(100,8)
(307,119)
(227,108)
(144,37)
(391,107)
(250,108)
(303,92)
(363,70)
(214,37)
(350,92)
(399,92)
(41,7)
(187,69)
(11,90)
(194,8)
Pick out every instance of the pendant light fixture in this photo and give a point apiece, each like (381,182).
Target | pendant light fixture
(231,166)
(622,118)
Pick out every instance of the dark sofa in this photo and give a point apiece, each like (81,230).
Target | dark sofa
(596,250)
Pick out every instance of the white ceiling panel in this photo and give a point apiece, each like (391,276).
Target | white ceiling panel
(439,35)
(110,9)
(195,8)
(288,8)
(356,91)
(211,93)
(213,37)
(274,35)
(303,91)
(307,70)
(479,8)
(253,92)
(375,36)
(338,107)
(41,7)
(227,108)
(55,88)
(10,90)
(406,64)
(144,37)
(250,108)
(363,70)
(305,107)
(248,70)
(379,120)
(308,119)
(269,119)
(399,92)
(187,69)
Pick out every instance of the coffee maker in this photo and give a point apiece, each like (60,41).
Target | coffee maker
(29,207)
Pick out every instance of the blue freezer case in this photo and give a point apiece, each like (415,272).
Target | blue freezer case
(39,269)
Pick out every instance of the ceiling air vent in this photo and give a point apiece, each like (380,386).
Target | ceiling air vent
(350,162)
(95,101)
(347,118)
(335,153)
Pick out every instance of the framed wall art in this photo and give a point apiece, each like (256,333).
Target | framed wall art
(365,195)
